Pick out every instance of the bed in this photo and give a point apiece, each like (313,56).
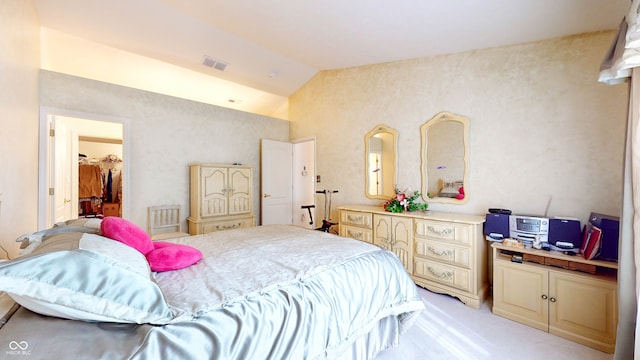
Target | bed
(266,292)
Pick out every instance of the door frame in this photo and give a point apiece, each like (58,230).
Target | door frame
(45,157)
(298,191)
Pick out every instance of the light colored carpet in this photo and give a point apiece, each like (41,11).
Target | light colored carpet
(448,329)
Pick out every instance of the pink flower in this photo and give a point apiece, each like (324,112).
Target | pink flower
(400,197)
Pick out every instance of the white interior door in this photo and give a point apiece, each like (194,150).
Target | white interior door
(276,182)
(62,184)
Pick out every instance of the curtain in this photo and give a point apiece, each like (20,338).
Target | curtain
(620,65)
(629,245)
(624,53)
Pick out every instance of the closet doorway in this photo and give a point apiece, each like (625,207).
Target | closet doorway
(70,144)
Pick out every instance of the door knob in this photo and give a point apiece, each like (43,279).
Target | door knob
(266,195)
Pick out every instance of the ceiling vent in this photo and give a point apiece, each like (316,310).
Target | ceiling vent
(213,63)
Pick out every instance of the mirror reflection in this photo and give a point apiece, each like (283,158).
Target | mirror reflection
(445,168)
(380,162)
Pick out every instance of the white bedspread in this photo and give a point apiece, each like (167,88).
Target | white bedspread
(269,292)
(236,264)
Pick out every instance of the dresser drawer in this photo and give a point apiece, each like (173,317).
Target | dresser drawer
(197,227)
(443,252)
(226,225)
(446,231)
(441,273)
(111,209)
(356,218)
(357,233)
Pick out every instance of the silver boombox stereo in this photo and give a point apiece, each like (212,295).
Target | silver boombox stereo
(529,229)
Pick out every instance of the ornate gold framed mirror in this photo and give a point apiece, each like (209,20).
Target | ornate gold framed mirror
(380,162)
(444,154)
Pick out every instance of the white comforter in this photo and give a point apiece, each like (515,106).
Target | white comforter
(269,292)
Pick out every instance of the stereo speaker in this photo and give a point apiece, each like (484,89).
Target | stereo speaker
(565,230)
(497,225)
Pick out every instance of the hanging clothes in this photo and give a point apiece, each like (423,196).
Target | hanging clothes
(109,197)
(89,181)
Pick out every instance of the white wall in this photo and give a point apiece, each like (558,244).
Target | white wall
(19,64)
(541,125)
(167,134)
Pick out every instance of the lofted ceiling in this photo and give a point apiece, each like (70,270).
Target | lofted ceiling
(269,49)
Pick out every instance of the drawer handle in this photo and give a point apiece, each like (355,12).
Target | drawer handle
(354,235)
(440,233)
(228,227)
(442,253)
(445,275)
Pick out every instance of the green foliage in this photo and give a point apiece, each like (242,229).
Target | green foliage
(402,202)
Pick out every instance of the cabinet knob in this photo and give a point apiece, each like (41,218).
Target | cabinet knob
(552,299)
(544,297)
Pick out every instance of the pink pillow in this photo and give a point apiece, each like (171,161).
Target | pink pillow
(127,233)
(168,256)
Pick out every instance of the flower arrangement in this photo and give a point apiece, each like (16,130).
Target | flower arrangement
(404,202)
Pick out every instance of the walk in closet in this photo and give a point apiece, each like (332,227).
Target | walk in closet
(99,177)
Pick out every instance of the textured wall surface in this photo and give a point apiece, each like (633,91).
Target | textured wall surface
(167,134)
(541,126)
(19,64)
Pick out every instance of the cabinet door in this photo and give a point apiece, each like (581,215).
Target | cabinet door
(213,192)
(395,233)
(239,191)
(382,231)
(402,241)
(583,309)
(520,293)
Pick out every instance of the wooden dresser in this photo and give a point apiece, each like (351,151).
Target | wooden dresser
(221,198)
(443,252)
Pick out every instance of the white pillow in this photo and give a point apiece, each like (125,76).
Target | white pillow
(86,277)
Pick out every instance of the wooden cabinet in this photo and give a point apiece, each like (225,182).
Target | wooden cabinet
(221,198)
(443,252)
(395,234)
(578,306)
